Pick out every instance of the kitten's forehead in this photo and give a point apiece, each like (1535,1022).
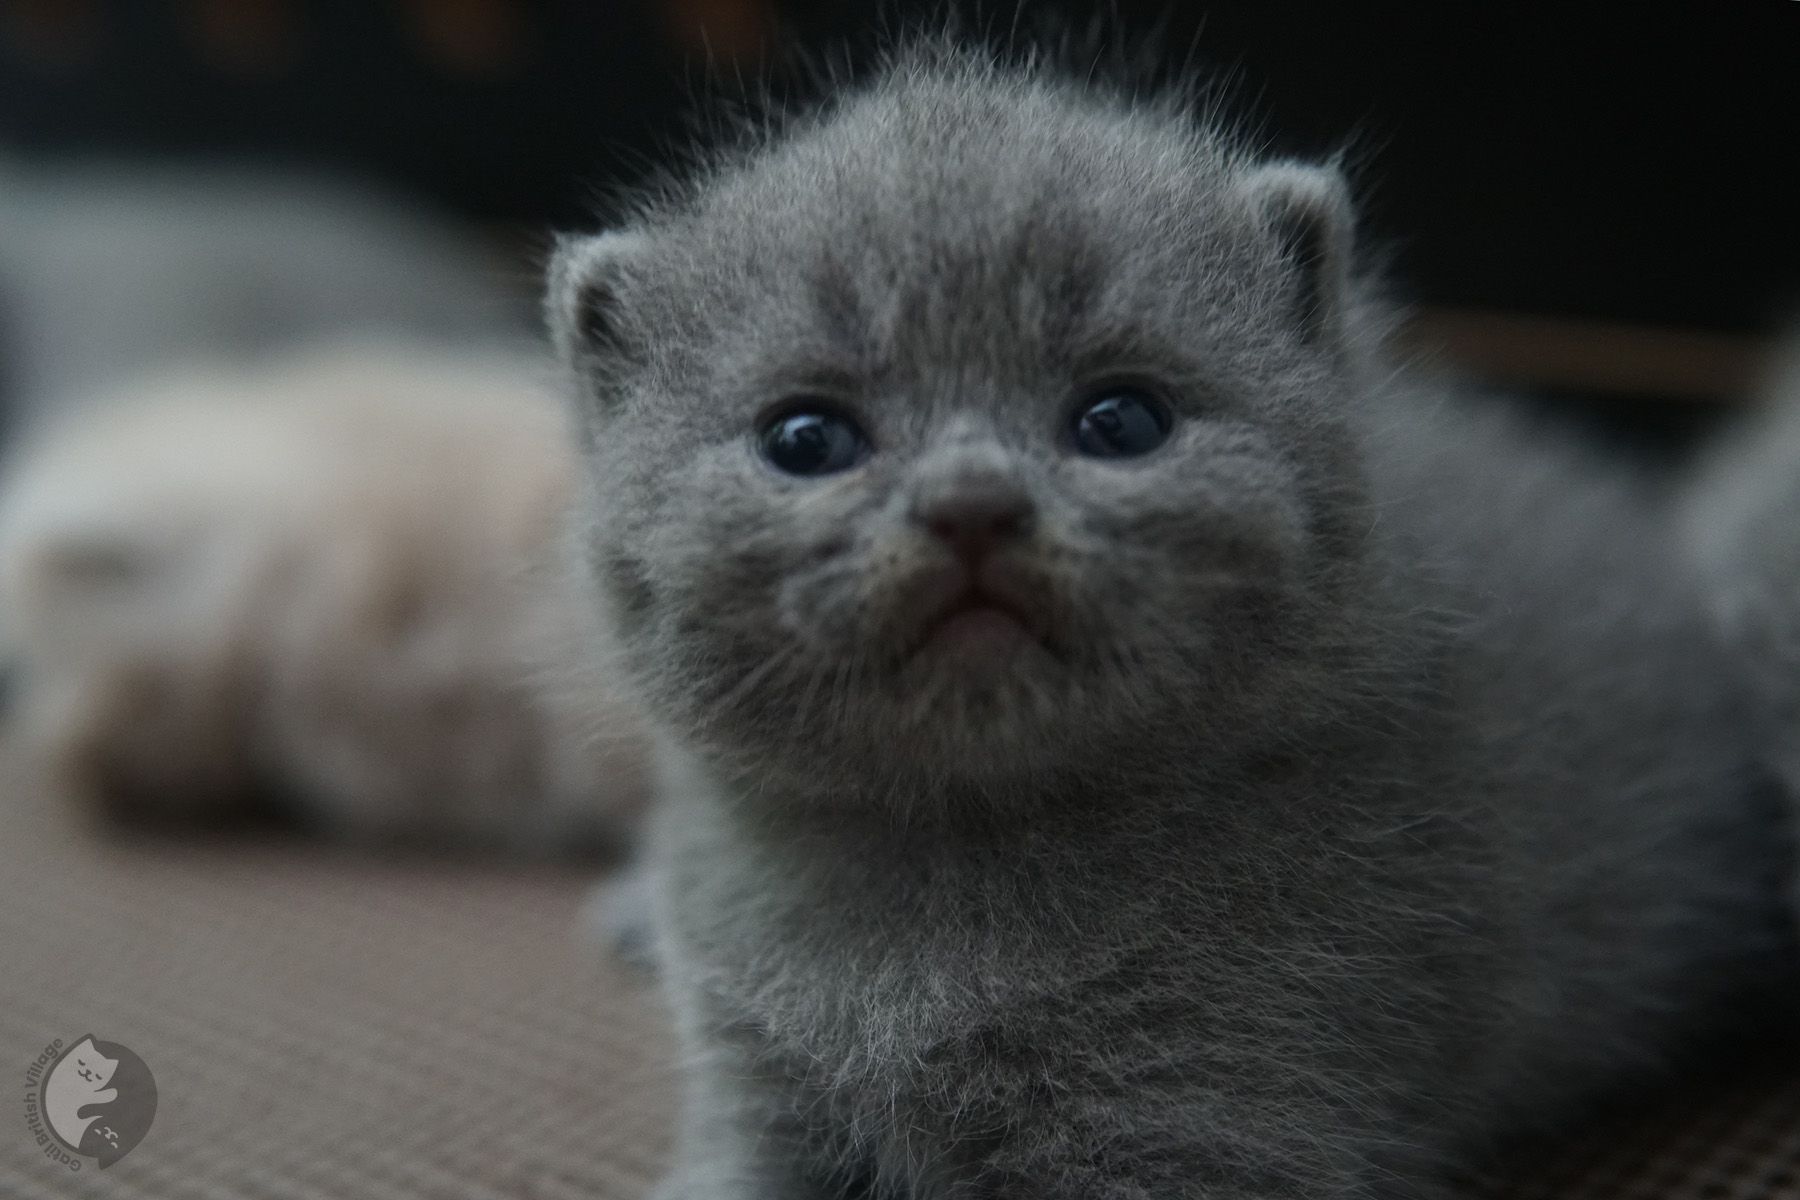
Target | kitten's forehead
(948,210)
(942,161)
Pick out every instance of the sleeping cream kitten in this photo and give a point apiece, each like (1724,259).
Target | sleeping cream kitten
(331,578)
(1118,738)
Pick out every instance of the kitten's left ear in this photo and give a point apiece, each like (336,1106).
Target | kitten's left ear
(1306,211)
(585,305)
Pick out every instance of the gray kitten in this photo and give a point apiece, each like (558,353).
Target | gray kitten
(1119,739)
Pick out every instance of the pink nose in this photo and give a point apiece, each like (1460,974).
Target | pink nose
(974,515)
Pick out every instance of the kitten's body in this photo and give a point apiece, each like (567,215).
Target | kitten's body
(1356,780)
(1450,914)
(79,1085)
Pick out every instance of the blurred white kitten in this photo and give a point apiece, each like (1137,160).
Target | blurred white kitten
(335,579)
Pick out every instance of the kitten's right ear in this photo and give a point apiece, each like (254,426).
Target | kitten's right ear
(584,303)
(1306,212)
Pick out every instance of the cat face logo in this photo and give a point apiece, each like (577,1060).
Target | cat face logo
(98,1099)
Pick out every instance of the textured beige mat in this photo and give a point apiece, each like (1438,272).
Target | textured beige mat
(327,1025)
(324,1025)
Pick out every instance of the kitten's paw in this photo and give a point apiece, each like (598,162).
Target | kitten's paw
(694,1186)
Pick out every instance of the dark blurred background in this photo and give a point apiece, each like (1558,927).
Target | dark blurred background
(1549,181)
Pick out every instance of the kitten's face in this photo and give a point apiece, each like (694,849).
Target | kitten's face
(961,439)
(90,1071)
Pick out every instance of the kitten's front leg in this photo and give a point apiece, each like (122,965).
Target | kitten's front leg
(739,1137)
(1201,1135)
(1196,1174)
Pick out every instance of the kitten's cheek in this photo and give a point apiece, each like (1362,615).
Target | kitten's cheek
(808,615)
(626,587)
(1264,544)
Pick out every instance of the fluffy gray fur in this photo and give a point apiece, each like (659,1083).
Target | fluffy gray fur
(1371,784)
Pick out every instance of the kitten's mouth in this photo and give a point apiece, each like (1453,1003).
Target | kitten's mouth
(981,621)
(977,615)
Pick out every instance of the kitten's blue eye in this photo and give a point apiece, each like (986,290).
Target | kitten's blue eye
(813,442)
(1121,423)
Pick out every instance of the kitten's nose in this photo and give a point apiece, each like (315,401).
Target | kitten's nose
(974,511)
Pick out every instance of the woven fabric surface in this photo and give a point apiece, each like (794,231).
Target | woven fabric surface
(323,1024)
